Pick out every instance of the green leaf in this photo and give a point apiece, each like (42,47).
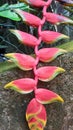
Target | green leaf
(67,46)
(11,15)
(6,65)
(22,6)
(5,6)
(14,6)
(19,5)
(6,10)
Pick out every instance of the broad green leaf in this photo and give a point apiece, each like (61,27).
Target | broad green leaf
(20,5)
(11,15)
(6,10)
(3,6)
(13,6)
(67,46)
(6,65)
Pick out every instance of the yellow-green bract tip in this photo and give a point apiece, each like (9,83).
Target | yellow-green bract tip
(9,55)
(60,99)
(7,86)
(63,51)
(60,69)
(11,30)
(15,32)
(65,36)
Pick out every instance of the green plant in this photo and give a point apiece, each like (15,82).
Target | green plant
(8,20)
(6,10)
(36,113)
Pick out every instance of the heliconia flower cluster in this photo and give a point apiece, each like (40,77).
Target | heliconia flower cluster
(36,115)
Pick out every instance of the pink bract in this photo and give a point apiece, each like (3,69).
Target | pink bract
(29,18)
(46,96)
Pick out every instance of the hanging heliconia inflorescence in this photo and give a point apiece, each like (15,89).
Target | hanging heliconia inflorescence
(36,114)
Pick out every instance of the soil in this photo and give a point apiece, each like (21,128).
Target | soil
(13,105)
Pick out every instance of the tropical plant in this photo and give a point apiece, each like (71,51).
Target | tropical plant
(6,10)
(36,113)
(8,20)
